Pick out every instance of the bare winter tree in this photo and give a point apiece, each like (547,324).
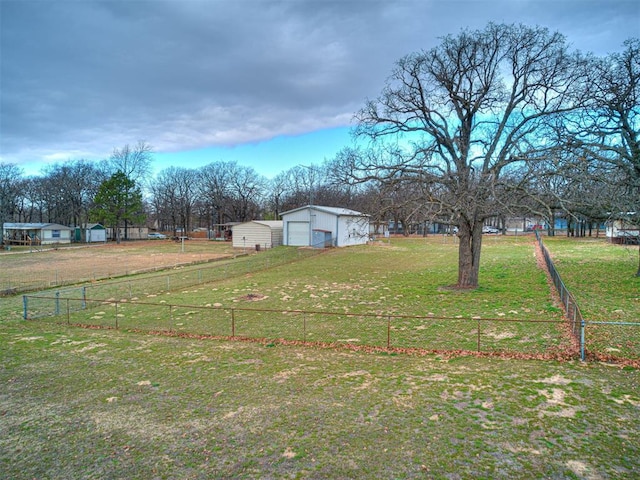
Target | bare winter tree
(606,134)
(174,194)
(214,181)
(11,190)
(135,163)
(461,115)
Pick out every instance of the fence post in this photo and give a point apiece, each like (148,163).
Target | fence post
(170,317)
(25,302)
(582,329)
(233,323)
(116,307)
(84,298)
(478,334)
(68,313)
(57,303)
(388,331)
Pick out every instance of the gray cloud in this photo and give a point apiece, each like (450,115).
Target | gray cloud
(82,77)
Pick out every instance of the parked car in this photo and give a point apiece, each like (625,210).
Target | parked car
(489,229)
(156,236)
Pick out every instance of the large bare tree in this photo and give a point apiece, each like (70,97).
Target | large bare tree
(607,133)
(460,116)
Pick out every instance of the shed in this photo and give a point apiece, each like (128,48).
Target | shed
(623,229)
(94,232)
(320,226)
(257,234)
(35,233)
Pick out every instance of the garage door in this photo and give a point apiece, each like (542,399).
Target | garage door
(298,233)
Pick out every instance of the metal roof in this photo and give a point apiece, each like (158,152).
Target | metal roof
(34,226)
(267,223)
(339,212)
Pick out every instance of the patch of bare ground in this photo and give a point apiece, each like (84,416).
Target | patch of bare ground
(76,264)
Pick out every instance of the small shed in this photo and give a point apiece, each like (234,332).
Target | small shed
(623,230)
(35,233)
(94,232)
(320,227)
(257,234)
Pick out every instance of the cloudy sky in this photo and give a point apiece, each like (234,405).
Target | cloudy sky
(267,83)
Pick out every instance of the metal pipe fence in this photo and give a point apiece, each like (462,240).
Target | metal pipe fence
(541,338)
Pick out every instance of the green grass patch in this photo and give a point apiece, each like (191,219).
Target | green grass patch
(110,404)
(601,277)
(384,296)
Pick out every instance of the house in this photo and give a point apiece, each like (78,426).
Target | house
(257,234)
(319,226)
(35,233)
(623,230)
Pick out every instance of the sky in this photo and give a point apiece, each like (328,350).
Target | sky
(269,84)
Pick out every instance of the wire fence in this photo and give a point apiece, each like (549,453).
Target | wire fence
(597,339)
(118,305)
(96,263)
(540,338)
(151,285)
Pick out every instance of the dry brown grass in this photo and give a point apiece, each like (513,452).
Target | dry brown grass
(25,270)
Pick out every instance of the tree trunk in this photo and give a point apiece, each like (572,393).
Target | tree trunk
(469,255)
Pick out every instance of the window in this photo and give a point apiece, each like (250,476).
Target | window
(55,233)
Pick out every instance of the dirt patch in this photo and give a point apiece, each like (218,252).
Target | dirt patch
(34,270)
(253,297)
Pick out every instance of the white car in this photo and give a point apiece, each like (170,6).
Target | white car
(156,235)
(489,229)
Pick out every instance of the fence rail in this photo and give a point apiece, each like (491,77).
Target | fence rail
(522,337)
(120,308)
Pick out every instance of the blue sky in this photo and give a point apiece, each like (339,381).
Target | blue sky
(269,84)
(268,158)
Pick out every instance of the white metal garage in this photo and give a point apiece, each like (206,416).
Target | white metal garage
(320,227)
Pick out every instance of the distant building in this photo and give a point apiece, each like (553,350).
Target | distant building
(35,233)
(94,232)
(258,234)
(132,233)
(623,230)
(319,226)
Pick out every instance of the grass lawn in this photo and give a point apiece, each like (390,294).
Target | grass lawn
(601,277)
(86,403)
(98,404)
(353,291)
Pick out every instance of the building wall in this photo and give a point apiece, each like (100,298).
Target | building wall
(352,231)
(250,234)
(55,236)
(345,229)
(95,235)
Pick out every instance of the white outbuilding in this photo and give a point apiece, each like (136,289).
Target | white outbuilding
(320,227)
(258,234)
